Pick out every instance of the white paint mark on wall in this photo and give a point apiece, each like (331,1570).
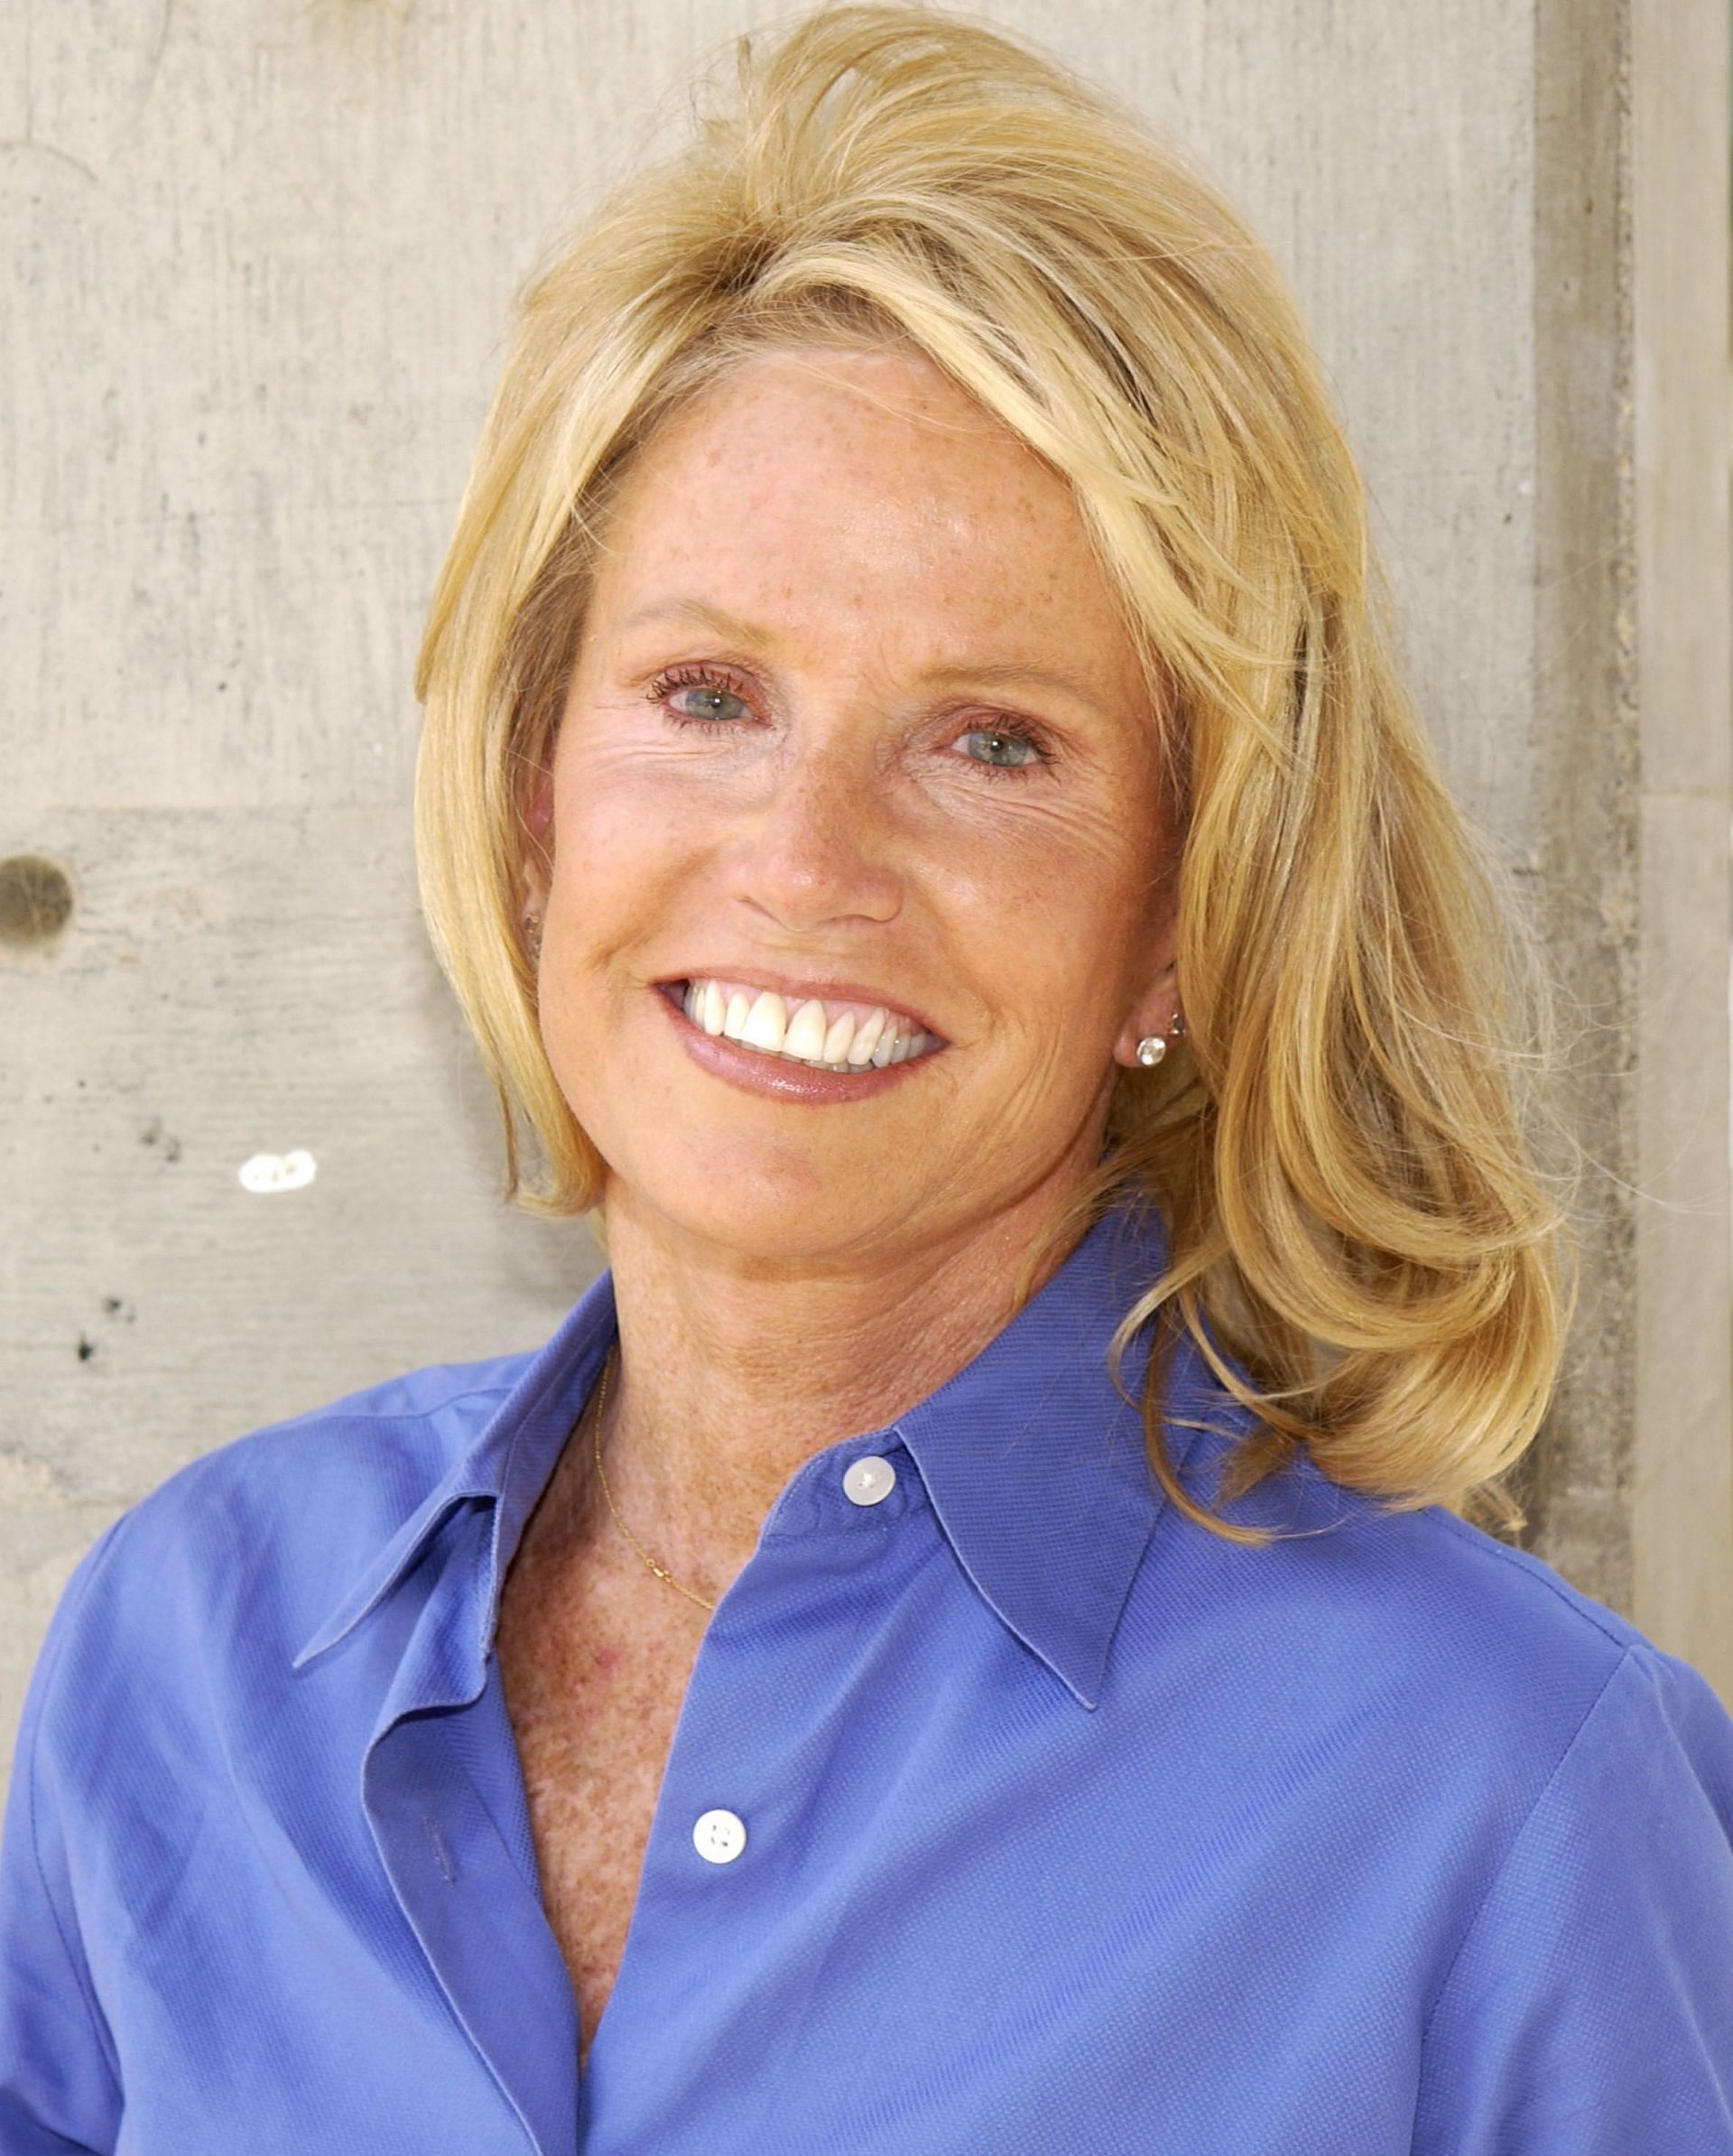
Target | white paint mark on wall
(267,1172)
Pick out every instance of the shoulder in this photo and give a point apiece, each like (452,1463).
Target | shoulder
(1478,1663)
(1593,1954)
(1430,1582)
(1577,1704)
(1421,1695)
(337,1476)
(252,1542)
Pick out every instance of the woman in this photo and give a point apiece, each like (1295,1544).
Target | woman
(973,1632)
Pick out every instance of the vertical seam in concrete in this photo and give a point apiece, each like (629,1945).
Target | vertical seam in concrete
(1675,260)
(1584,712)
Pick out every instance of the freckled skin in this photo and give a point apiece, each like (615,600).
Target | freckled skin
(888,547)
(593,1673)
(877,548)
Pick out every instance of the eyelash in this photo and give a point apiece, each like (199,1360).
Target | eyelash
(716,677)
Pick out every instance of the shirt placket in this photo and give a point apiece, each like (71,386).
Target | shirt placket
(730,1843)
(479,1918)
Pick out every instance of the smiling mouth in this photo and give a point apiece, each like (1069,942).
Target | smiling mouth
(822,1036)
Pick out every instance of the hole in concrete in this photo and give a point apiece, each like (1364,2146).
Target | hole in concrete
(35,900)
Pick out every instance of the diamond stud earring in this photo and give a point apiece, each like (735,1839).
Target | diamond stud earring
(1153,1047)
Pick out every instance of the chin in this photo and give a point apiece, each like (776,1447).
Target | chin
(768,1203)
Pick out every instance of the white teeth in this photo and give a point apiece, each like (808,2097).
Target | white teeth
(860,1049)
(766,1022)
(805,1035)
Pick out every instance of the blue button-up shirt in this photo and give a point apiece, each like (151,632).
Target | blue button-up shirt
(1068,1826)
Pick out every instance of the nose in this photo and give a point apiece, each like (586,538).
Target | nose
(818,844)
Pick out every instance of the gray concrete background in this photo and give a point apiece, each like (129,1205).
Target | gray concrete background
(258,259)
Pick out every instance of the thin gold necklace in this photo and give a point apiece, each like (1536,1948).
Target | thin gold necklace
(601,1399)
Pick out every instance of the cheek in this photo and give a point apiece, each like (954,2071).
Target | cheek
(603,824)
(1055,873)
(1046,931)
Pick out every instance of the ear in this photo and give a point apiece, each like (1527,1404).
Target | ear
(1157,1008)
(535,834)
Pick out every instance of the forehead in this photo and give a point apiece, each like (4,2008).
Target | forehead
(844,492)
(846,404)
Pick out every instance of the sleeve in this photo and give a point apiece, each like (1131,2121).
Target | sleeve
(1589,2011)
(59,2088)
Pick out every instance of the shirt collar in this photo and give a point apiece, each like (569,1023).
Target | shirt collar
(1033,1459)
(1036,1463)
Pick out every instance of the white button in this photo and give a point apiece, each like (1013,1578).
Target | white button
(721,1836)
(869,1479)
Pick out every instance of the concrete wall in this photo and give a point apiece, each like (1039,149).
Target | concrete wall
(258,256)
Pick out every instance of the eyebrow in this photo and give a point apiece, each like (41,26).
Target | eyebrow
(996,672)
(706,616)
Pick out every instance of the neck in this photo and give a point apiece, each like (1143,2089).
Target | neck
(733,1370)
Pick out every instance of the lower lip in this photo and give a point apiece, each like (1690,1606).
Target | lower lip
(774,1075)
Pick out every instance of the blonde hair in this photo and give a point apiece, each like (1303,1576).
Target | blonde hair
(1337,1149)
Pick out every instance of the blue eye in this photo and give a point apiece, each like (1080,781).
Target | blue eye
(715,699)
(710,689)
(1036,757)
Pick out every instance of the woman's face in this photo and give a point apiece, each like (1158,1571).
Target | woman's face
(853,705)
